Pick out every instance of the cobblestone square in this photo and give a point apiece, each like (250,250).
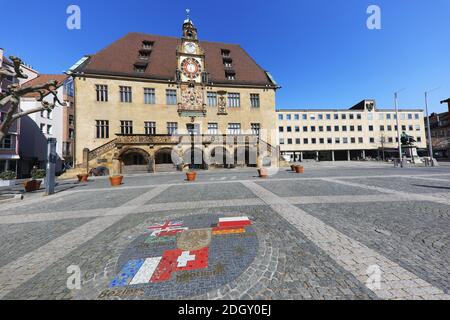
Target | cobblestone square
(338,231)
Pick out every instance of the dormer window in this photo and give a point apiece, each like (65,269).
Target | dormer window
(225,53)
(139,69)
(144,54)
(230,75)
(147,45)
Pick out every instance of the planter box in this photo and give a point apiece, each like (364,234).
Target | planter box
(7,183)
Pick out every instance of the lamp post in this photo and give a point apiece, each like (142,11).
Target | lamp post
(398,128)
(430,142)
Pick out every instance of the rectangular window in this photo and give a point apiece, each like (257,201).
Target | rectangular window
(172,127)
(388,116)
(297,129)
(296,117)
(358,117)
(337,140)
(343,116)
(42,127)
(351,116)
(304,117)
(336,128)
(171,97)
(305,129)
(329,128)
(416,116)
(289,129)
(305,141)
(280,129)
(328,116)
(254,100)
(71,120)
(344,128)
(280,117)
(7,143)
(125,94)
(313,140)
(297,141)
(370,128)
(360,140)
(126,127)
(234,128)
(71,134)
(381,128)
(320,116)
(256,127)
(321,140)
(353,140)
(320,128)
(102,92)
(419,139)
(213,128)
(234,100)
(360,128)
(336,117)
(49,129)
(289,141)
(288,117)
(372,140)
(281,141)
(150,127)
(149,96)
(49,114)
(329,140)
(344,140)
(313,129)
(212,99)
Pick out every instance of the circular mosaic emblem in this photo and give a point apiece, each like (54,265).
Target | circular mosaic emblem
(176,259)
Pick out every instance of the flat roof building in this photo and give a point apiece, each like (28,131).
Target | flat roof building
(361,132)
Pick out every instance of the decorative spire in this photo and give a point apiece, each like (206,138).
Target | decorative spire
(188,11)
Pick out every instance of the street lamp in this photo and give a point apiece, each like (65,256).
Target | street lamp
(398,127)
(430,143)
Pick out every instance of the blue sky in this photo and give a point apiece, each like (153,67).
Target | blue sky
(320,51)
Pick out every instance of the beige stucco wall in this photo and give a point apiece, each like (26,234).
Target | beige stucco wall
(376,122)
(88,110)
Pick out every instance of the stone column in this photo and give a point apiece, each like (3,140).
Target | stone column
(86,159)
(348,155)
(363,154)
(332,155)
(317,156)
(301,156)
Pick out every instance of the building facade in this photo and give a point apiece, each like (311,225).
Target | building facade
(362,132)
(440,132)
(154,103)
(38,127)
(10,146)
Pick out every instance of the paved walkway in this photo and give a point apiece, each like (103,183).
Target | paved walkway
(337,232)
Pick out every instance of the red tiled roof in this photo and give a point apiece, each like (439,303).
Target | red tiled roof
(119,59)
(42,79)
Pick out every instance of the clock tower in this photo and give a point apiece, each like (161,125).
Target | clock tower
(191,75)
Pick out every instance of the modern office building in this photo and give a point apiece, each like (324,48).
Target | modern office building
(361,132)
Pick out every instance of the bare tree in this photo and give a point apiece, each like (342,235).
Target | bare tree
(11,97)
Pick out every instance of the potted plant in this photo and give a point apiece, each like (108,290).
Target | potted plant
(191,175)
(262,172)
(299,169)
(7,179)
(293,167)
(37,176)
(83,177)
(116,180)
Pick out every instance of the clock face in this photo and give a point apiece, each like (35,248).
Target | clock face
(191,68)
(190,47)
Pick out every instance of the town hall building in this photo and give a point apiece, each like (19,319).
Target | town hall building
(150,103)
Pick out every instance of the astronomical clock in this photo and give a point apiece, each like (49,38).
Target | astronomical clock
(191,74)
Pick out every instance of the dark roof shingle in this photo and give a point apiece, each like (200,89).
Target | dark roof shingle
(119,59)
(42,79)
